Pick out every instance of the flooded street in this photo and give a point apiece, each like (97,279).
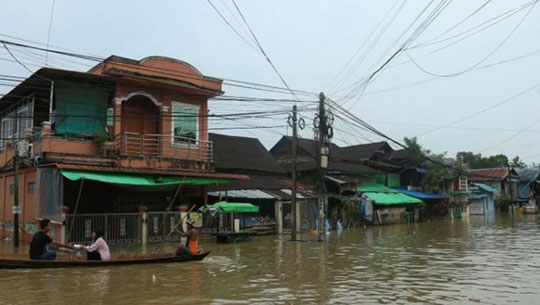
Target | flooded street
(478,261)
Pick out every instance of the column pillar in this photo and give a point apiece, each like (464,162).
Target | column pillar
(144,229)
(278,207)
(298,216)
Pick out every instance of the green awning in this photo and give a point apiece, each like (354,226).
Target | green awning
(391,198)
(229,207)
(383,195)
(375,187)
(139,180)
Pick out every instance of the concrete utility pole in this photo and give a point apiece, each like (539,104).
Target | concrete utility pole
(324,133)
(295,124)
(16,207)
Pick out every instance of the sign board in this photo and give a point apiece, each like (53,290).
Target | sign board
(16,209)
(87,228)
(30,228)
(172,222)
(110,116)
(155,225)
(324,161)
(122,227)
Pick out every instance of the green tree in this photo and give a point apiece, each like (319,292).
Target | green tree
(475,161)
(433,163)
(517,162)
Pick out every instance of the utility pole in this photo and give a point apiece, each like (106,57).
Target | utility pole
(324,133)
(16,207)
(295,124)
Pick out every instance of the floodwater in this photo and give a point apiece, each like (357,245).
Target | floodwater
(470,261)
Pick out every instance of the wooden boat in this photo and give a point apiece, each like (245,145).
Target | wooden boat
(6,263)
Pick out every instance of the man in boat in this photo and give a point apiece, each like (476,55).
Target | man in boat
(192,242)
(39,247)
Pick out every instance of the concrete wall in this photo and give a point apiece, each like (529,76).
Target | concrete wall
(392,215)
(29,208)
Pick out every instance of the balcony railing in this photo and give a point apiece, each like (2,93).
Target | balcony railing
(163,146)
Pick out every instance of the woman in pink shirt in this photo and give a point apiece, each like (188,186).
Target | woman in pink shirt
(98,250)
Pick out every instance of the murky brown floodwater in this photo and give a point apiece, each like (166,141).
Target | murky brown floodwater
(479,261)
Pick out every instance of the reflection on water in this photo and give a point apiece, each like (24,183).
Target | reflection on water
(479,260)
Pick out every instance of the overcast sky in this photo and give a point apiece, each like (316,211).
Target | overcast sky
(310,42)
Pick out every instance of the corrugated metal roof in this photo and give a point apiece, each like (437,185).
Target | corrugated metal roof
(528,174)
(485,187)
(364,151)
(421,195)
(488,174)
(243,153)
(251,194)
(289,192)
(341,179)
(256,182)
(137,170)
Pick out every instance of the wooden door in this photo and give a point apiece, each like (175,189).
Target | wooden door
(133,130)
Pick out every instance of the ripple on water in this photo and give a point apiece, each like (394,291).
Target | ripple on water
(440,262)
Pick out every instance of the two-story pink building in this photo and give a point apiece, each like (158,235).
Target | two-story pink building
(126,136)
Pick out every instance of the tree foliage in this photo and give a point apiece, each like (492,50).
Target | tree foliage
(517,162)
(475,161)
(433,181)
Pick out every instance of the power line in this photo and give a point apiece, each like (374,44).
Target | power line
(230,26)
(359,86)
(483,59)
(15,58)
(452,127)
(482,110)
(429,80)
(483,5)
(227,81)
(261,48)
(512,136)
(373,44)
(478,28)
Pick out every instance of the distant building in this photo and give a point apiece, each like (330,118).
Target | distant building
(528,186)
(268,185)
(502,179)
(481,199)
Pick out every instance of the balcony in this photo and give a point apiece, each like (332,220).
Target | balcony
(163,146)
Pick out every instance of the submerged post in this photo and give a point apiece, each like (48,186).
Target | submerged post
(293,192)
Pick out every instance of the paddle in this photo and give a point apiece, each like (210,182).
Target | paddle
(180,222)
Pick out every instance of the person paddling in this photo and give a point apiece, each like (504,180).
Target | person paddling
(39,247)
(192,242)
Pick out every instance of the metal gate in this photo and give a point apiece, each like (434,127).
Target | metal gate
(159,224)
(120,228)
(287,216)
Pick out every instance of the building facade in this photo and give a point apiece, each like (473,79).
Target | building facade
(128,135)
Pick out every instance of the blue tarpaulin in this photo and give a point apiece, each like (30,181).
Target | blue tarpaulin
(486,188)
(421,195)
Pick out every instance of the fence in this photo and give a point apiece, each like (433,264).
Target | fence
(120,228)
(287,216)
(163,146)
(127,228)
(159,224)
